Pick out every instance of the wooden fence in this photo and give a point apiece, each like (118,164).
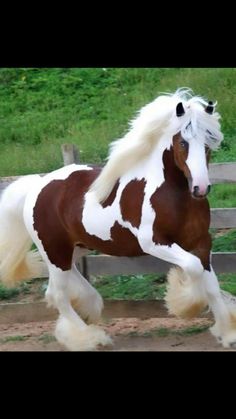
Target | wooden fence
(221,218)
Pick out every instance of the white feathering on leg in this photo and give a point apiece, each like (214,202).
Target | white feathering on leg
(74,339)
(185,297)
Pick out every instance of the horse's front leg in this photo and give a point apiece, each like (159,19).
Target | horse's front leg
(224,313)
(194,286)
(172,253)
(185,295)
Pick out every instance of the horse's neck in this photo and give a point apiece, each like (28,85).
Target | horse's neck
(157,168)
(173,175)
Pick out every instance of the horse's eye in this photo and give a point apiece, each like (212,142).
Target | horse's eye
(184,144)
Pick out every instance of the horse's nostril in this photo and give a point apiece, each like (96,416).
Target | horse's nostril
(196,190)
(201,192)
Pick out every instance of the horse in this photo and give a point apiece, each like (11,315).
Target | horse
(150,197)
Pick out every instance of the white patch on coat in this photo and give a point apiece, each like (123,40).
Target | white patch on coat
(64,172)
(98,221)
(197,165)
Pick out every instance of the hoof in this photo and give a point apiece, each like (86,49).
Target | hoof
(229,341)
(226,334)
(75,339)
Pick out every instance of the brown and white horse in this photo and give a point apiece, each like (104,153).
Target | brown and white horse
(150,198)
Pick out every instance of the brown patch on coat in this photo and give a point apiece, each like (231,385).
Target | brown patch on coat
(58,221)
(131,201)
(181,155)
(111,198)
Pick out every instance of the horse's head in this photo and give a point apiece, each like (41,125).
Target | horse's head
(192,146)
(187,122)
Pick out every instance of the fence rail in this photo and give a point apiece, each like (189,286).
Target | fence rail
(222,172)
(109,265)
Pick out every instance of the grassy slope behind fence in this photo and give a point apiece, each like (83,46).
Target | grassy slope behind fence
(42,108)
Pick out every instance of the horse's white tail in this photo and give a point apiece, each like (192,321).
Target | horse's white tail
(17,261)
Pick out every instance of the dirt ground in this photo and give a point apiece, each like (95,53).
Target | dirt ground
(127,334)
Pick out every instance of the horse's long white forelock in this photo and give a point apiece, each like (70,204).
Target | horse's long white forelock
(154,120)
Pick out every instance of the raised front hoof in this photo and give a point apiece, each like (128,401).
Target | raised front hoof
(75,339)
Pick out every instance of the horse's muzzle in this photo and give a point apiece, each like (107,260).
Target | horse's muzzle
(197,193)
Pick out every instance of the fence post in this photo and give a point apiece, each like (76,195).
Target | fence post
(70,154)
(83,268)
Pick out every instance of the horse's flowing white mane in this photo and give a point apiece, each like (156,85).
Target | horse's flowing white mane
(155,120)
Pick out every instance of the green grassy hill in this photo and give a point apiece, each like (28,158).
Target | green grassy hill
(43,108)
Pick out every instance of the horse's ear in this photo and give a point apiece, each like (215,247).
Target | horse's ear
(180,109)
(210,108)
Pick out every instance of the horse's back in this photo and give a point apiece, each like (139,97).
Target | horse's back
(58,217)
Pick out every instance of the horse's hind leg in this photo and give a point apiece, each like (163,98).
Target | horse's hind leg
(57,252)
(71,331)
(84,297)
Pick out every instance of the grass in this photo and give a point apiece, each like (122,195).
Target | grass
(42,108)
(37,286)
(17,338)
(164,332)
(47,338)
(126,287)
(223,196)
(8,293)
(225,243)
(146,287)
(228,283)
